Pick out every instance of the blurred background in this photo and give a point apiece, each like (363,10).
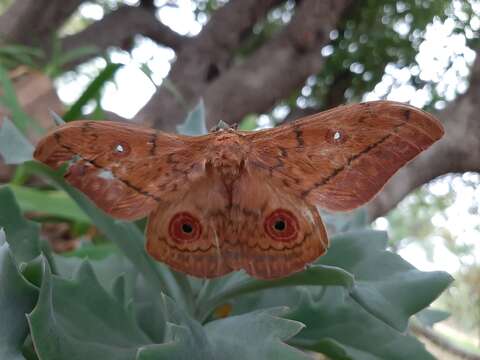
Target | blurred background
(262,63)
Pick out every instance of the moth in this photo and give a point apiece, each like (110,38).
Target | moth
(232,200)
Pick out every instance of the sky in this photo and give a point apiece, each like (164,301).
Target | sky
(133,88)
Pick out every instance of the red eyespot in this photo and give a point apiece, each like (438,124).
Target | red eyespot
(184,228)
(281,225)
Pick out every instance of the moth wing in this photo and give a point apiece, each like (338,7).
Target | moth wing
(187,234)
(274,233)
(339,159)
(125,169)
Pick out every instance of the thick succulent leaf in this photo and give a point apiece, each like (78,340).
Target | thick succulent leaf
(107,271)
(229,288)
(14,146)
(184,339)
(151,318)
(347,322)
(22,234)
(359,335)
(127,237)
(79,319)
(385,284)
(429,317)
(336,350)
(256,335)
(195,123)
(17,297)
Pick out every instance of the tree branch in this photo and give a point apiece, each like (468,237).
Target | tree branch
(458,151)
(205,58)
(41,18)
(444,343)
(118,29)
(278,67)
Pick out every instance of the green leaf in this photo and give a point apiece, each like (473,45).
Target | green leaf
(336,350)
(185,338)
(14,55)
(17,297)
(359,335)
(57,119)
(15,148)
(93,251)
(248,123)
(92,91)
(313,275)
(74,54)
(22,234)
(385,284)
(107,271)
(337,322)
(429,317)
(50,202)
(9,99)
(78,319)
(256,335)
(195,123)
(127,237)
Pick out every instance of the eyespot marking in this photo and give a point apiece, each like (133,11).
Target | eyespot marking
(121,148)
(184,228)
(336,136)
(281,225)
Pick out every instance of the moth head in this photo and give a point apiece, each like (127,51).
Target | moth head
(281,225)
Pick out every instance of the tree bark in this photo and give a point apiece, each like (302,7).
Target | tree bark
(204,60)
(445,344)
(278,68)
(33,22)
(457,152)
(118,28)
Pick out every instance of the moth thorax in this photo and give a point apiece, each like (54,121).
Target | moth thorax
(227,154)
(227,163)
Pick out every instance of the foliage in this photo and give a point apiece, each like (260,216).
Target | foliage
(121,304)
(93,91)
(113,301)
(421,207)
(374,35)
(13,55)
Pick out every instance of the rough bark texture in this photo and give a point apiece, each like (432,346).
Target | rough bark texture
(457,152)
(444,343)
(207,66)
(281,65)
(118,29)
(204,60)
(33,22)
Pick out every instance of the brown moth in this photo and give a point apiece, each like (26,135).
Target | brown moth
(235,200)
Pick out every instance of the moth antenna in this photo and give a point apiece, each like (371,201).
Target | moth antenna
(222,125)
(57,119)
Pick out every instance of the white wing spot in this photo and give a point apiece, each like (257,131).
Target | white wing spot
(119,148)
(106,174)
